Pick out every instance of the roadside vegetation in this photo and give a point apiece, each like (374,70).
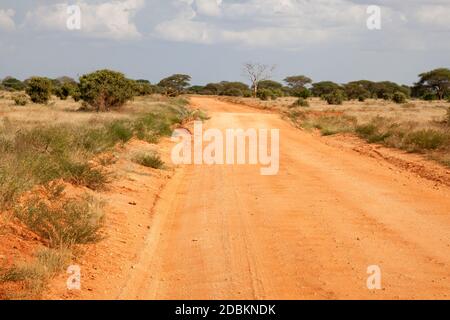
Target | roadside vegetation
(40,157)
(151,160)
(431,138)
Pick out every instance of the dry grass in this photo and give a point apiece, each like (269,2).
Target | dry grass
(43,144)
(416,126)
(34,275)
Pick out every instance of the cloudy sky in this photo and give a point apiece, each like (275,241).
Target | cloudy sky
(211,39)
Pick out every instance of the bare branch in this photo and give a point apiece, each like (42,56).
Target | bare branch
(257,72)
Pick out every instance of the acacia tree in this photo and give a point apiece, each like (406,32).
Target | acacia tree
(437,81)
(175,84)
(297,82)
(257,72)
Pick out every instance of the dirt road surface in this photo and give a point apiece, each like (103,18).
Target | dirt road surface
(310,232)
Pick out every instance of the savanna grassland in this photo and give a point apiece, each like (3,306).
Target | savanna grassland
(414,126)
(86,182)
(54,161)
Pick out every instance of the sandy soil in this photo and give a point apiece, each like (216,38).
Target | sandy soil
(336,207)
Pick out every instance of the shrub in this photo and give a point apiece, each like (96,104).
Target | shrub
(105,89)
(13,84)
(336,97)
(63,222)
(20,99)
(386,96)
(361,98)
(264,94)
(76,94)
(300,103)
(120,131)
(143,87)
(64,91)
(429,96)
(232,92)
(301,93)
(399,97)
(39,89)
(150,160)
(427,139)
(276,93)
(375,131)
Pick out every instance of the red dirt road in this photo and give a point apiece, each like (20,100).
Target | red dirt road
(310,232)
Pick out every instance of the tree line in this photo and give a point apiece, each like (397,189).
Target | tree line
(103,90)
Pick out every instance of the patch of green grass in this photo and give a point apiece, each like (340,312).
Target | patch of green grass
(151,160)
(119,131)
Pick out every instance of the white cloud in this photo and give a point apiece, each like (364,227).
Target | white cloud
(286,23)
(113,19)
(436,17)
(296,24)
(209,7)
(6,20)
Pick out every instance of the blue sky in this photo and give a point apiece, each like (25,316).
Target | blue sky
(211,39)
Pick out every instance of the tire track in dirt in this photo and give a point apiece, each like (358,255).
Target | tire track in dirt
(226,232)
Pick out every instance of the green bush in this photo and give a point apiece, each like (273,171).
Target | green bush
(375,131)
(386,96)
(20,99)
(65,90)
(106,89)
(13,84)
(264,94)
(399,97)
(301,93)
(233,92)
(120,131)
(335,98)
(143,88)
(39,89)
(429,96)
(300,103)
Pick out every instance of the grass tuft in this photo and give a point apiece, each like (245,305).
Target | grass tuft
(65,222)
(150,160)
